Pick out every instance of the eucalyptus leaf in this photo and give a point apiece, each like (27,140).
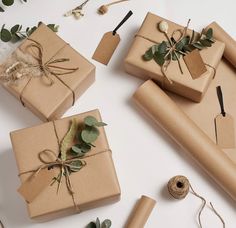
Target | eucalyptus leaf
(8,2)
(148,55)
(185,41)
(162,48)
(91,225)
(159,58)
(15,29)
(192,37)
(85,147)
(205,43)
(175,56)
(89,134)
(90,121)
(98,223)
(75,166)
(198,46)
(53,27)
(106,223)
(68,139)
(1,9)
(5,35)
(100,124)
(209,33)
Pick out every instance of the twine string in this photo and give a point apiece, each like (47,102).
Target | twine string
(179,187)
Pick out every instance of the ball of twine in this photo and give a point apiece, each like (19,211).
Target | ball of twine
(178,187)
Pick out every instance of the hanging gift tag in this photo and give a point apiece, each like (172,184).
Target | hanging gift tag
(195,64)
(109,43)
(224,125)
(34,185)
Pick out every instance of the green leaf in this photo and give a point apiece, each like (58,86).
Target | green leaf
(162,47)
(8,2)
(76,149)
(16,38)
(89,134)
(97,223)
(90,121)
(91,225)
(5,35)
(75,166)
(205,43)
(1,9)
(175,57)
(185,41)
(198,46)
(100,124)
(192,37)
(15,29)
(209,34)
(148,55)
(106,223)
(53,27)
(68,139)
(85,147)
(159,58)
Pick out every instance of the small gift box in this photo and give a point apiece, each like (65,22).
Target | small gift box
(180,83)
(46,74)
(54,182)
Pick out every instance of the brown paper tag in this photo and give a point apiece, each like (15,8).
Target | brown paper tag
(195,64)
(33,186)
(106,47)
(224,126)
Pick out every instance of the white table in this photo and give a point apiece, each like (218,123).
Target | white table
(144,156)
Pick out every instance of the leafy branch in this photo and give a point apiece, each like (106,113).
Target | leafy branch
(105,224)
(16,33)
(9,3)
(172,50)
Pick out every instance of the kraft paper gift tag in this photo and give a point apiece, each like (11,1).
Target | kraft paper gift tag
(224,125)
(195,64)
(109,43)
(31,188)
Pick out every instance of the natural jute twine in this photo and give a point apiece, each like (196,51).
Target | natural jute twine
(179,187)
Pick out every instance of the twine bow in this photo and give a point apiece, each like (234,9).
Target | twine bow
(63,165)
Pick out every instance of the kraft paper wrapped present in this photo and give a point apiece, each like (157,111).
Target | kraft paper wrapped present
(183,84)
(46,74)
(96,184)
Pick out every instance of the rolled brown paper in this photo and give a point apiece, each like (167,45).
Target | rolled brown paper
(230,44)
(141,213)
(187,134)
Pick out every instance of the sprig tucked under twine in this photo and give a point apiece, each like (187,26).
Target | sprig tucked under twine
(77,11)
(179,187)
(24,65)
(104,8)
(69,159)
(171,50)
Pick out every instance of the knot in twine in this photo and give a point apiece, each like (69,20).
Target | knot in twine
(63,165)
(179,187)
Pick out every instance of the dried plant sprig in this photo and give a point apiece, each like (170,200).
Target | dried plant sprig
(104,8)
(97,224)
(16,33)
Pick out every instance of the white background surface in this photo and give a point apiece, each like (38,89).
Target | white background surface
(144,156)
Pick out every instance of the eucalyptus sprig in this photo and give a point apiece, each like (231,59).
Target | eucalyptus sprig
(165,51)
(16,33)
(9,3)
(105,224)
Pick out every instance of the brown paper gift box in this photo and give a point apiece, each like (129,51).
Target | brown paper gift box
(95,185)
(51,102)
(183,84)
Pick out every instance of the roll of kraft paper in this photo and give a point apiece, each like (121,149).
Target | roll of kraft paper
(141,213)
(186,133)
(230,44)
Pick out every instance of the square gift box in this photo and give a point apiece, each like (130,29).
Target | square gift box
(94,185)
(183,84)
(46,74)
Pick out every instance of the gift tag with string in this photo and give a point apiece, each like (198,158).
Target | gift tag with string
(195,64)
(224,125)
(109,43)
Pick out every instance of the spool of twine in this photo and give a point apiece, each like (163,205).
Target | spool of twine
(179,187)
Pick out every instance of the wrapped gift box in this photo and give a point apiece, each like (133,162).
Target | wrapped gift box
(183,84)
(50,102)
(94,185)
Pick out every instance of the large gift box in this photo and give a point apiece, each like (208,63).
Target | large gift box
(46,74)
(94,185)
(182,84)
